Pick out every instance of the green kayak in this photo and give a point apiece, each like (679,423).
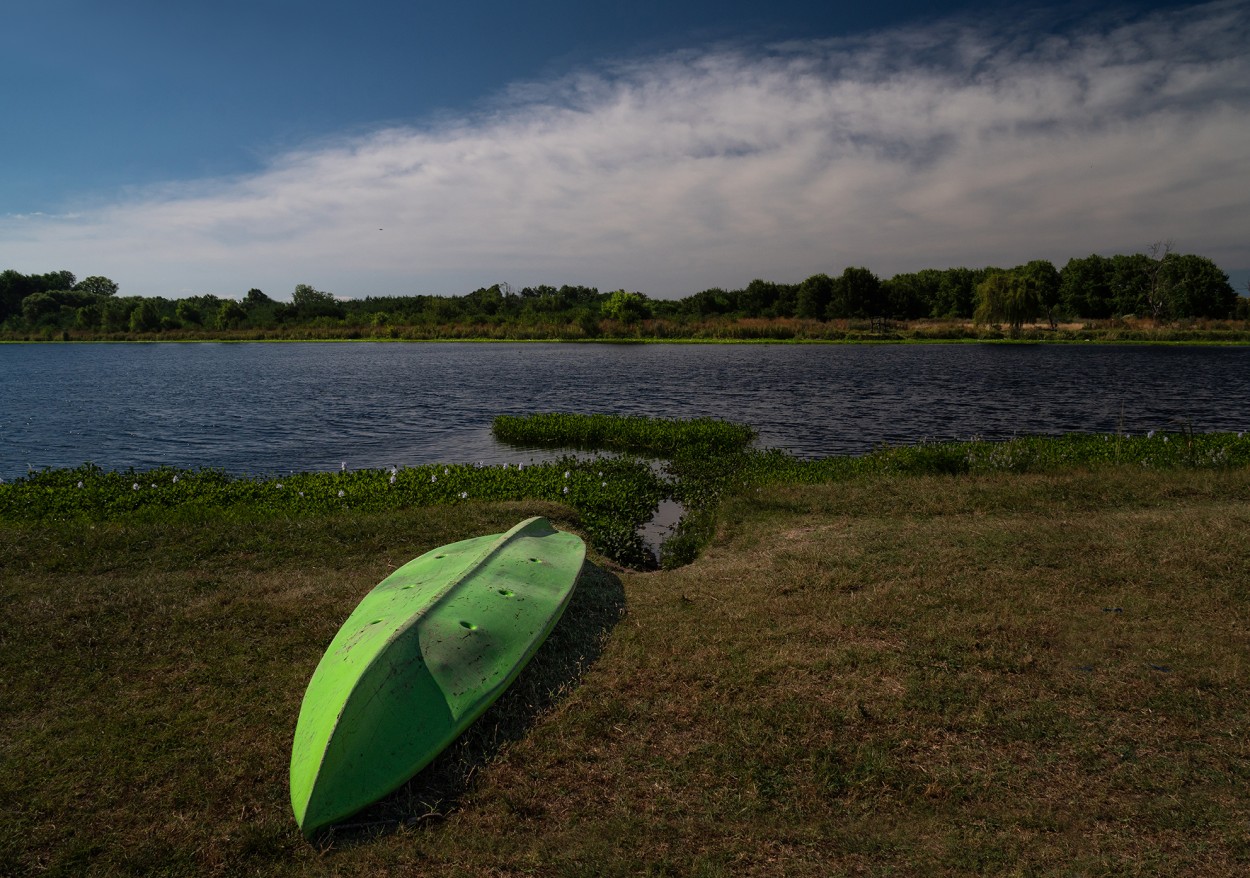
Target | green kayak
(421,657)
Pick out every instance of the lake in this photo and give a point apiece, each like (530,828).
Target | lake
(271,408)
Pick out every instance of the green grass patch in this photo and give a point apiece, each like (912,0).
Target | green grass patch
(635,434)
(996,672)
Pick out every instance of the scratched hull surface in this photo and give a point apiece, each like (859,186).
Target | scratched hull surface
(421,657)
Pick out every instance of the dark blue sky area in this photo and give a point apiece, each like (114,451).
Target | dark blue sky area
(98,96)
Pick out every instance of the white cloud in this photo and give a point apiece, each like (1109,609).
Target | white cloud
(958,143)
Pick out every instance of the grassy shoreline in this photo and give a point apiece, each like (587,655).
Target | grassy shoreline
(890,673)
(788,331)
(1214,341)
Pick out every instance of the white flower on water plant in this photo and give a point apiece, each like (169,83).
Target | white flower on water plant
(343,467)
(392,478)
(1150,435)
(153,485)
(566,474)
(279,486)
(340,493)
(175,480)
(79,484)
(464,495)
(446,471)
(566,489)
(135,486)
(433,478)
(301,493)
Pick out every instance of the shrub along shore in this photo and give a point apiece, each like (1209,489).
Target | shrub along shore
(945,659)
(707,331)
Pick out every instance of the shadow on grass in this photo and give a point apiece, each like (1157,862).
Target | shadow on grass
(435,792)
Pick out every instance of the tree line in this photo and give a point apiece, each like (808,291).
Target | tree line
(1159,284)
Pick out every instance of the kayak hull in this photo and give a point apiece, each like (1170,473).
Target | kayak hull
(420,658)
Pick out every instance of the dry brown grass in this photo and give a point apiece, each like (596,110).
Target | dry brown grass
(1038,675)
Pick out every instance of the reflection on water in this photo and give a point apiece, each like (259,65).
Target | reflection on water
(268,408)
(661,525)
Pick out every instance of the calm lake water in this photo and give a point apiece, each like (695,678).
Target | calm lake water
(268,408)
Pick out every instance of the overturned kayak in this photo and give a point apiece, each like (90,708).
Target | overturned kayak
(421,657)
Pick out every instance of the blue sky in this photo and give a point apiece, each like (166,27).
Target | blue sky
(397,147)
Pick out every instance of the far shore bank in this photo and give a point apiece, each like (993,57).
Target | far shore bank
(1119,331)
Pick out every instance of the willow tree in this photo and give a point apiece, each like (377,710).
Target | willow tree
(1007,297)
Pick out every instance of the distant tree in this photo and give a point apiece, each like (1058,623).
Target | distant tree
(97,286)
(626,307)
(60,304)
(571,296)
(188,314)
(1042,275)
(813,297)
(256,299)
(1083,290)
(1007,297)
(55,280)
(912,295)
(115,316)
(146,317)
(1158,297)
(38,306)
(759,299)
(588,321)
(486,301)
(956,292)
(230,314)
(712,302)
(1129,284)
(857,293)
(309,303)
(1196,287)
(88,317)
(787,300)
(904,296)
(14,287)
(445,309)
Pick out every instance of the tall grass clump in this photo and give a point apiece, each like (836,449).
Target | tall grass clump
(634,434)
(1156,450)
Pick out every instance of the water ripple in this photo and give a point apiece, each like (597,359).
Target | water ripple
(263,408)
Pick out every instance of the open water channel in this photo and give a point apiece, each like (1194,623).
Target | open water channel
(274,408)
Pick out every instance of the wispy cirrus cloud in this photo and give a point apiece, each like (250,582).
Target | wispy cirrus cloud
(955,143)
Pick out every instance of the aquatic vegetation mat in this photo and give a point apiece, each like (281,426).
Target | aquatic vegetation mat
(612,495)
(703,461)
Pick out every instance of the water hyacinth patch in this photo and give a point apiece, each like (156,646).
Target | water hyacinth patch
(613,496)
(610,514)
